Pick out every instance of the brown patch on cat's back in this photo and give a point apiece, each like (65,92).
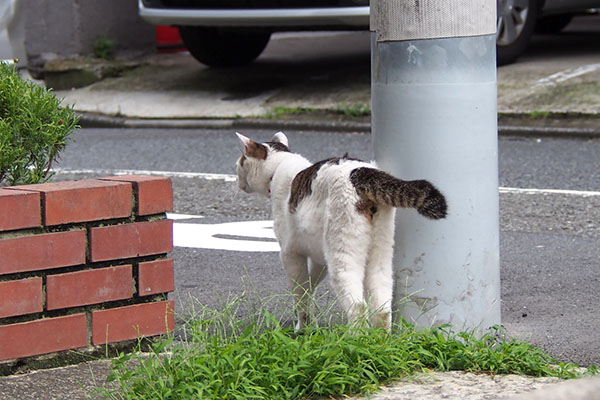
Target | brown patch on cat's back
(302,183)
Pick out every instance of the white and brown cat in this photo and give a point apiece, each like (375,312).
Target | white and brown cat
(335,216)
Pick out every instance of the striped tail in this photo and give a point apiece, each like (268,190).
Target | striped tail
(378,187)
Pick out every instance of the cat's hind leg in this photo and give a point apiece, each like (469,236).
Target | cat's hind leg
(379,282)
(347,249)
(297,272)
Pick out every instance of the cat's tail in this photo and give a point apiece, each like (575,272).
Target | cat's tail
(378,187)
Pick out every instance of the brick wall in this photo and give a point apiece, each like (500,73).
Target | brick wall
(84,263)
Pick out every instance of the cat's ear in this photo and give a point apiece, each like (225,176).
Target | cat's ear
(280,137)
(245,141)
(253,149)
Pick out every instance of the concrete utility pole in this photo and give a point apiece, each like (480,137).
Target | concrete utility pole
(434,117)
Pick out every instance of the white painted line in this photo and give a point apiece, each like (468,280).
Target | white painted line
(567,74)
(233,178)
(204,236)
(170,174)
(176,217)
(582,193)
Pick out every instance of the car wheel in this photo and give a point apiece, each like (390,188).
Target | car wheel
(218,47)
(553,23)
(516,23)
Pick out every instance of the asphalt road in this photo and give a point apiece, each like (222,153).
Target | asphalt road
(549,240)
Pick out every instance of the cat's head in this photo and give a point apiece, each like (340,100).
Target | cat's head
(257,164)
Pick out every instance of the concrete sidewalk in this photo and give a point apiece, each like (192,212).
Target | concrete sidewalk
(320,80)
(329,73)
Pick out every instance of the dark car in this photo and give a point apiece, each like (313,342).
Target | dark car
(519,19)
(235,32)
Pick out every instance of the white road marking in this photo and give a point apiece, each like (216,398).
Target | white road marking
(233,178)
(204,236)
(169,174)
(581,193)
(238,236)
(567,74)
(176,217)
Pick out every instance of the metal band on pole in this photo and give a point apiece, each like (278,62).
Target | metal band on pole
(434,117)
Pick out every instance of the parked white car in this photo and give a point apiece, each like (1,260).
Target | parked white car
(223,33)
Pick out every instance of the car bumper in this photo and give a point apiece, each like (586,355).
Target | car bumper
(334,16)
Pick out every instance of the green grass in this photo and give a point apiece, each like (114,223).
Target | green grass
(281,112)
(342,110)
(539,114)
(354,110)
(257,358)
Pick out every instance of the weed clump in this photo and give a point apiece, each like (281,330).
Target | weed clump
(258,358)
(105,47)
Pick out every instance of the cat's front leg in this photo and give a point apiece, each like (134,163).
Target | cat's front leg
(317,272)
(296,267)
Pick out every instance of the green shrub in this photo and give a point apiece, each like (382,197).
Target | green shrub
(34,129)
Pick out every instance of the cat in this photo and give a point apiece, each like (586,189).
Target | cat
(334,217)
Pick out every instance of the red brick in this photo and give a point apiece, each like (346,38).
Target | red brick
(131,322)
(21,297)
(154,194)
(38,252)
(85,200)
(19,209)
(43,336)
(156,277)
(89,287)
(131,240)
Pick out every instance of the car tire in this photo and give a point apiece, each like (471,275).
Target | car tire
(516,24)
(553,24)
(218,47)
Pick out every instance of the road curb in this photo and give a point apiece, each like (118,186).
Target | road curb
(88,120)
(552,131)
